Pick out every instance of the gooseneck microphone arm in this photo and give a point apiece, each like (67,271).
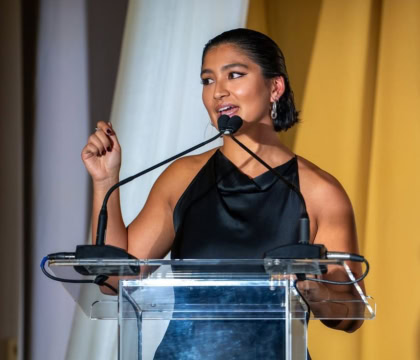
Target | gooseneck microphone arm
(103,214)
(234,123)
(304,219)
(275,172)
(102,251)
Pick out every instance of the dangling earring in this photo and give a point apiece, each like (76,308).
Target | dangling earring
(274,110)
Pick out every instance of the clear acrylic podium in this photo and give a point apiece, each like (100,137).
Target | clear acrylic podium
(210,309)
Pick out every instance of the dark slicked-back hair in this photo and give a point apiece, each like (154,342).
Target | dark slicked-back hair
(264,52)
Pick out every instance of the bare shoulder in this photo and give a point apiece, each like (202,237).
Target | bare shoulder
(154,224)
(176,178)
(322,191)
(191,163)
(329,208)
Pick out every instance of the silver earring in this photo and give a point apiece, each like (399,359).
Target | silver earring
(274,110)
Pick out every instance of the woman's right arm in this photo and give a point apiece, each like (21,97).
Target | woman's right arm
(151,233)
(102,158)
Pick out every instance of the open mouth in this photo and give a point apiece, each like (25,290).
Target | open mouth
(228,110)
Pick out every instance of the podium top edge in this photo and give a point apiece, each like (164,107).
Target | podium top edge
(191,262)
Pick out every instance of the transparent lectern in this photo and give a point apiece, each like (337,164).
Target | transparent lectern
(210,309)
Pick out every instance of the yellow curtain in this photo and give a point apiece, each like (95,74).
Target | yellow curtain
(355,69)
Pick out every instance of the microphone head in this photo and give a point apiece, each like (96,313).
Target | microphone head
(234,124)
(222,123)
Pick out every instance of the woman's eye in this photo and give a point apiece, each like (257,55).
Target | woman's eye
(235,75)
(206,81)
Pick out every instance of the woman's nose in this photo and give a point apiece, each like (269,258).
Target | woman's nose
(220,90)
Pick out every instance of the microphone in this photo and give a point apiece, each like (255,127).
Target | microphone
(302,250)
(222,124)
(102,251)
(229,125)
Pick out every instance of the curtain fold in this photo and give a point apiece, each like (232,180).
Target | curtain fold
(359,93)
(59,183)
(393,200)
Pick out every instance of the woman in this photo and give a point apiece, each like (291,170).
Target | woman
(243,73)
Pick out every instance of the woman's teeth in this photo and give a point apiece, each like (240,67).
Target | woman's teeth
(227,110)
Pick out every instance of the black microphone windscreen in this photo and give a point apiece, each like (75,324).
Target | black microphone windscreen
(222,122)
(234,123)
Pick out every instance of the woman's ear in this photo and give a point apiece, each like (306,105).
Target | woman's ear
(277,88)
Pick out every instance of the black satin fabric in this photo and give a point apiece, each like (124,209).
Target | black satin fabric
(225,214)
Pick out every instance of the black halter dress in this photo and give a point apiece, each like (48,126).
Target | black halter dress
(224,214)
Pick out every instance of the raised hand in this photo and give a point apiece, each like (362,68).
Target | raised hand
(102,155)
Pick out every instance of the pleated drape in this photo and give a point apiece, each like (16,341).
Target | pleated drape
(59,185)
(393,199)
(354,66)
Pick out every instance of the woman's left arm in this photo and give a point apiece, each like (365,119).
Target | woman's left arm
(333,225)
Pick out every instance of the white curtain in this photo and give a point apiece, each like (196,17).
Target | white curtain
(60,184)
(157,110)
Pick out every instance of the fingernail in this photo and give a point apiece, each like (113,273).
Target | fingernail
(109,123)
(108,131)
(109,148)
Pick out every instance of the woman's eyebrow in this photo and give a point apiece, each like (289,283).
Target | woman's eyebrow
(228,66)
(225,67)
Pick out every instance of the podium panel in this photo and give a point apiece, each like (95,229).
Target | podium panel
(205,315)
(209,309)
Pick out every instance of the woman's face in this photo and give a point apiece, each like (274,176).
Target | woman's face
(234,85)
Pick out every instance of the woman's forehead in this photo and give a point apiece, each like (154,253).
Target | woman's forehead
(223,54)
